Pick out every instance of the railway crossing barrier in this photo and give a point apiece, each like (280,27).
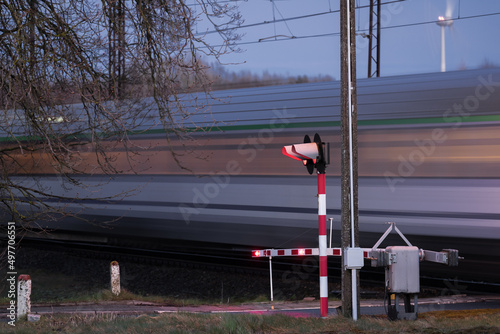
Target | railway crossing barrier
(401,268)
(401,263)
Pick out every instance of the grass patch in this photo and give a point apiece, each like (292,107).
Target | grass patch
(57,288)
(481,321)
(125,295)
(106,295)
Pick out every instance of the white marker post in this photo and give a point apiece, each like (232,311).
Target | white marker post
(115,278)
(23,295)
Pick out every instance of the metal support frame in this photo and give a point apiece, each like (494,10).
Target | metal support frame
(271,276)
(386,233)
(331,232)
(374,39)
(410,311)
(116,52)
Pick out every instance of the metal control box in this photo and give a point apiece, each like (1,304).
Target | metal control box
(353,258)
(403,273)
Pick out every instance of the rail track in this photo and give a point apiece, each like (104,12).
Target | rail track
(224,261)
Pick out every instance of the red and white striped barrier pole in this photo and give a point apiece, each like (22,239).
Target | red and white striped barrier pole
(315,155)
(323,268)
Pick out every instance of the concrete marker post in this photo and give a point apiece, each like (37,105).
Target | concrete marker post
(115,278)
(23,296)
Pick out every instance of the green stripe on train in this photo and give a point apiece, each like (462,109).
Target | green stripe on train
(399,121)
(283,125)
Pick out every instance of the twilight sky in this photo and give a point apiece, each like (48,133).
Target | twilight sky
(410,37)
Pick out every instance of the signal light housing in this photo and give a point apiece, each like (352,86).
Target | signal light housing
(312,154)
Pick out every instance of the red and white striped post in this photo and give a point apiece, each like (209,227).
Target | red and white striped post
(323,268)
(316,155)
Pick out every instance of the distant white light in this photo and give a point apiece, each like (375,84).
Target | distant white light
(443,22)
(56,119)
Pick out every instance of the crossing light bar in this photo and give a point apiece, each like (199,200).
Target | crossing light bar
(304,252)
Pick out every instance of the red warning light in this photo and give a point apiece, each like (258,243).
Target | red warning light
(302,252)
(256,253)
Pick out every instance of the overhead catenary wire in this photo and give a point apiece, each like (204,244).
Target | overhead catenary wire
(330,34)
(286,24)
(300,17)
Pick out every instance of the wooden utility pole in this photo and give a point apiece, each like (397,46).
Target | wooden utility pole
(349,149)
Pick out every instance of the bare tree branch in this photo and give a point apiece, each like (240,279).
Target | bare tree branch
(60,111)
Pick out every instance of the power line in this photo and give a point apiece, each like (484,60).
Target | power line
(434,22)
(286,19)
(251,25)
(359,31)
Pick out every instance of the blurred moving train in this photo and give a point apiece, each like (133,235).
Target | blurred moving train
(429,160)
